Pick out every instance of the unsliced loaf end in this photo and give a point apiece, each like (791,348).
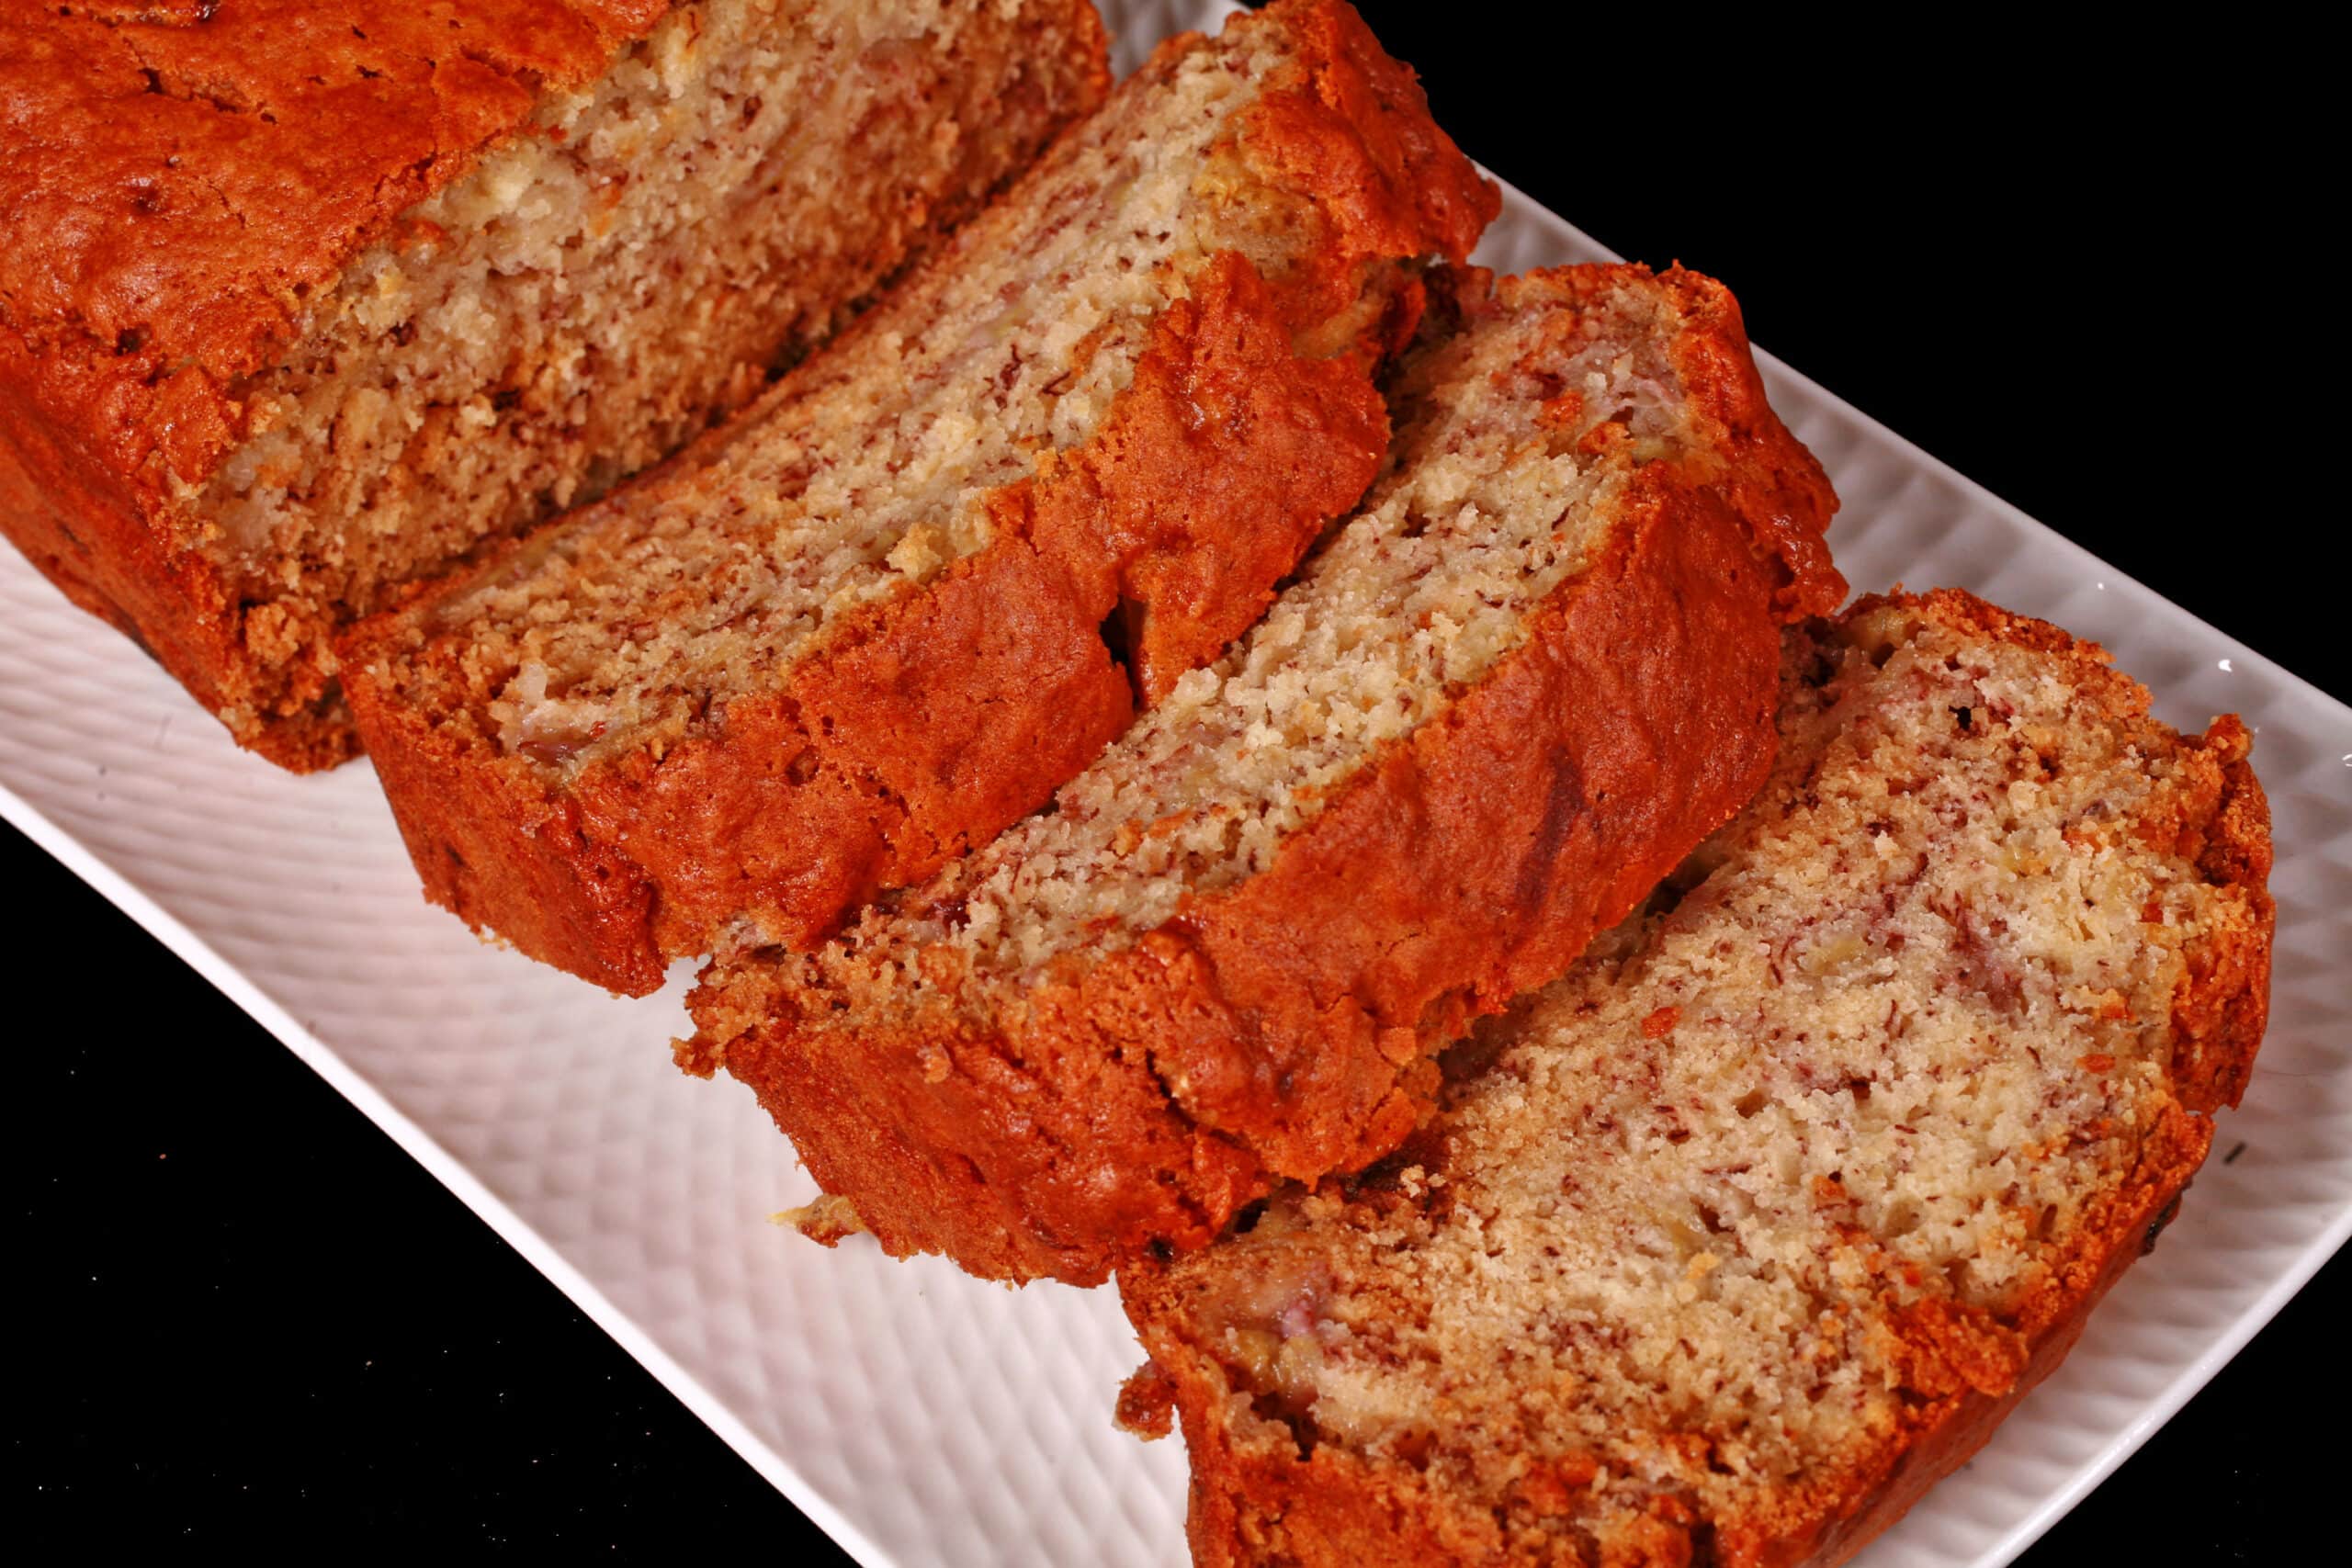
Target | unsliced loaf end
(1755,1223)
(1533,671)
(884,613)
(335,295)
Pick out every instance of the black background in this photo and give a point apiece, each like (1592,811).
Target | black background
(2078,275)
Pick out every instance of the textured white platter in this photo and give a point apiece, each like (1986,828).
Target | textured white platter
(920,1416)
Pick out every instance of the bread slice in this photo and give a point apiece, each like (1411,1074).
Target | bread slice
(1532,673)
(1756,1223)
(882,615)
(303,300)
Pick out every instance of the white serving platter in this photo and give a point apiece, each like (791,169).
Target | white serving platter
(923,1418)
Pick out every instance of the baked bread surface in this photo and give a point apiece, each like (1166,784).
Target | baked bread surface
(305,299)
(1730,1243)
(1533,673)
(933,572)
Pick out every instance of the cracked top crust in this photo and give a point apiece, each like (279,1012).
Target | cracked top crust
(180,176)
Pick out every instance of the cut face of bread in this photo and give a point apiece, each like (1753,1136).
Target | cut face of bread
(883,615)
(331,294)
(1533,671)
(1755,1223)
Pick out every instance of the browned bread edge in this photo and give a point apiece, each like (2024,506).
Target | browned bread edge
(1334,1508)
(933,720)
(127,337)
(1302,1007)
(118,374)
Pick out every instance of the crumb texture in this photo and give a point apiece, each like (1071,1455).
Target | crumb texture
(879,469)
(1496,493)
(865,625)
(1439,763)
(1789,1178)
(390,286)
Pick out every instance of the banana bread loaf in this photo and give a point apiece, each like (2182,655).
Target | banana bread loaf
(1755,1223)
(1500,703)
(304,298)
(883,613)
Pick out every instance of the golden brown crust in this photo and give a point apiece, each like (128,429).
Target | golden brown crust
(1285,1027)
(1346,121)
(2223,1010)
(82,527)
(182,177)
(1768,479)
(1257,1498)
(932,721)
(189,179)
(188,174)
(1299,1011)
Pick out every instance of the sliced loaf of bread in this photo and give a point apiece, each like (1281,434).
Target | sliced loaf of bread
(1533,671)
(1755,1223)
(302,301)
(885,613)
